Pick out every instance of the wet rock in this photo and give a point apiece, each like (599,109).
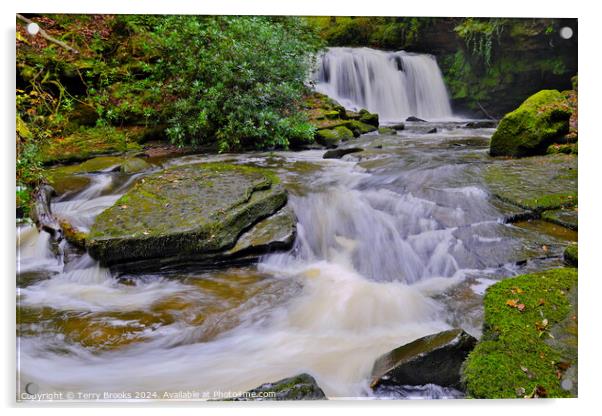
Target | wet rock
(564,217)
(415,119)
(387,131)
(431,131)
(368,117)
(434,359)
(571,255)
(134,165)
(301,387)
(332,137)
(339,153)
(398,126)
(532,127)
(537,184)
(186,213)
(358,128)
(486,124)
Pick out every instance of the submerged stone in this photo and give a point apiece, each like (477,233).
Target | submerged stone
(434,359)
(564,217)
(301,387)
(192,212)
(484,124)
(415,119)
(532,127)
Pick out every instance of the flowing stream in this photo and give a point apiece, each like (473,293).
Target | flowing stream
(394,243)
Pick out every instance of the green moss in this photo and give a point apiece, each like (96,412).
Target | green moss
(369,118)
(567,149)
(387,131)
(532,127)
(537,183)
(332,137)
(571,255)
(191,210)
(87,143)
(513,357)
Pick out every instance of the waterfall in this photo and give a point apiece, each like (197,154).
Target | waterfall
(393,84)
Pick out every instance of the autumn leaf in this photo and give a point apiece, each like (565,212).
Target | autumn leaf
(513,303)
(520,307)
(541,302)
(541,325)
(517,291)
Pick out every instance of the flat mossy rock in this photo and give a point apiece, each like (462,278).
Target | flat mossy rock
(301,387)
(87,143)
(190,212)
(531,128)
(434,359)
(387,131)
(538,183)
(513,358)
(332,137)
(571,255)
(564,217)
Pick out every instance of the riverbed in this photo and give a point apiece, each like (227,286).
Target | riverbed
(393,243)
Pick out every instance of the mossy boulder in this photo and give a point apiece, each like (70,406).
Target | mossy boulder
(531,128)
(434,359)
(358,128)
(185,214)
(332,137)
(87,143)
(571,255)
(300,387)
(537,184)
(368,117)
(515,357)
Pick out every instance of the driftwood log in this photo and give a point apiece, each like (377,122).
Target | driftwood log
(42,214)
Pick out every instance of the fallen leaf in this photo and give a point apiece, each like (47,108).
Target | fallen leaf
(541,325)
(541,302)
(517,291)
(123,206)
(513,303)
(520,307)
(544,248)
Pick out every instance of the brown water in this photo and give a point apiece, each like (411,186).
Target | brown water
(394,243)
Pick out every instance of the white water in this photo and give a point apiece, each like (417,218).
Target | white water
(395,85)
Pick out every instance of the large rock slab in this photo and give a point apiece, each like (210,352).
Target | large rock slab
(537,183)
(300,387)
(531,128)
(434,359)
(189,213)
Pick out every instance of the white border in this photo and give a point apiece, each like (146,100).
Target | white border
(590,97)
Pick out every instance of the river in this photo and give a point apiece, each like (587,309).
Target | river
(394,243)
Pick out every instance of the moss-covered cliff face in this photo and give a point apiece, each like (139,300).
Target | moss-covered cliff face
(490,65)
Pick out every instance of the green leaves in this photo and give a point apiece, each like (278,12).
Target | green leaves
(236,80)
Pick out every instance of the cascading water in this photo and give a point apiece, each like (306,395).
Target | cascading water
(393,84)
(382,244)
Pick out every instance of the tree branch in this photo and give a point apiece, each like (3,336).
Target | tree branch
(46,36)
